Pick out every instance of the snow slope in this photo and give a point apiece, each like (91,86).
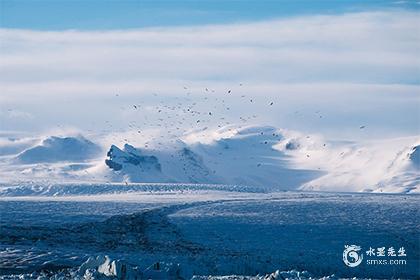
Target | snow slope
(55,149)
(244,156)
(278,159)
(378,166)
(175,164)
(260,156)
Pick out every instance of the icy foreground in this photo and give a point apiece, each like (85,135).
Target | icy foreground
(196,232)
(102,267)
(258,156)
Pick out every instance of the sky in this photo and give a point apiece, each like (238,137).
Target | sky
(111,14)
(324,67)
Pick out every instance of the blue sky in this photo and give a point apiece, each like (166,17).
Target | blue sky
(103,14)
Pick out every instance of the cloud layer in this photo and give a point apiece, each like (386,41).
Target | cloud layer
(300,59)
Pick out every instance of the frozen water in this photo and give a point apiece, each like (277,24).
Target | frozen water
(208,233)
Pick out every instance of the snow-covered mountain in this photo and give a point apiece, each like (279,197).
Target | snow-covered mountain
(236,156)
(133,164)
(176,164)
(259,156)
(278,160)
(56,149)
(403,173)
(379,166)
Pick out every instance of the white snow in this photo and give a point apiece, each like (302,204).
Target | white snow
(55,149)
(376,166)
(258,156)
(103,268)
(241,157)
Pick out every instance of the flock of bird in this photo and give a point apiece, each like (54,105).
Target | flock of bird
(196,111)
(175,116)
(193,113)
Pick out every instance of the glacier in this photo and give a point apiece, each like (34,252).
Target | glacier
(203,232)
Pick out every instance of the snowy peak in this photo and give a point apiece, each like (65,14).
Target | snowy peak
(233,156)
(131,157)
(56,149)
(258,156)
(173,165)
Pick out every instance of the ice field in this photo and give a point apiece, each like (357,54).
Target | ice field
(201,231)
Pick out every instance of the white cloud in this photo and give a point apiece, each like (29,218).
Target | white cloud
(364,47)
(302,60)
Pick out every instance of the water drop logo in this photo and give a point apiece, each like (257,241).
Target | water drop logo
(351,256)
